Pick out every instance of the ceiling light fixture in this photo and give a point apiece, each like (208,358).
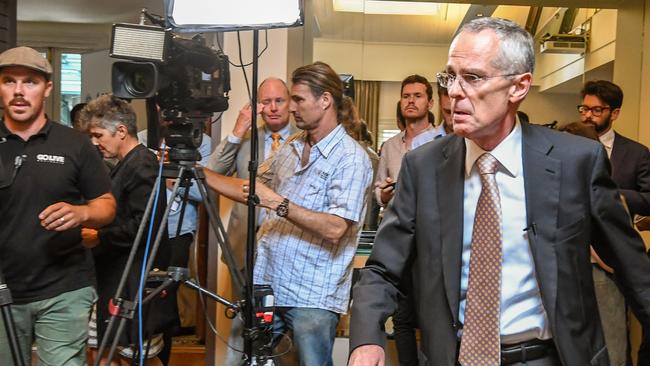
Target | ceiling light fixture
(387,7)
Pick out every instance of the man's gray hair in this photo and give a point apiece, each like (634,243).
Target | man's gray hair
(516,54)
(108,112)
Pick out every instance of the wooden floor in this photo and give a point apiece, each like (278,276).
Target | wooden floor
(186,351)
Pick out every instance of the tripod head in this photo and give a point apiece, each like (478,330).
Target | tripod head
(183,135)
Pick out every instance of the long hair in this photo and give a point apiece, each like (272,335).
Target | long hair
(321,78)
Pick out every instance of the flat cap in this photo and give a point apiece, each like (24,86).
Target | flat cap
(26,57)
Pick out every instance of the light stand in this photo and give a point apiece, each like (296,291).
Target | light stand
(252,220)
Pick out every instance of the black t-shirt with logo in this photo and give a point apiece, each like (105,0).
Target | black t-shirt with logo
(58,164)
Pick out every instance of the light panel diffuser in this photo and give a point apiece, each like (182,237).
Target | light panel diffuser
(196,15)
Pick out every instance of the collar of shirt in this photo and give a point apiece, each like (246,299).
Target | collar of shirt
(429,128)
(505,152)
(45,131)
(284,133)
(323,146)
(607,139)
(440,130)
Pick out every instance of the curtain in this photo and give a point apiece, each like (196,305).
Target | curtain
(367,103)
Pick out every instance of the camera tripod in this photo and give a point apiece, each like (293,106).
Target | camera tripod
(8,321)
(5,293)
(185,172)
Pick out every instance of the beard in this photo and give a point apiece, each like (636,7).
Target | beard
(600,127)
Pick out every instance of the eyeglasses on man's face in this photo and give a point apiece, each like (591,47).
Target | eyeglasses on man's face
(446,80)
(595,111)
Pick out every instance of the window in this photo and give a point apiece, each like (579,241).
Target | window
(70,85)
(386,134)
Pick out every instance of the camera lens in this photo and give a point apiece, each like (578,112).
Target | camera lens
(140,81)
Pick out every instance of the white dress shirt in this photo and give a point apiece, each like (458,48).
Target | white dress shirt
(523,317)
(607,139)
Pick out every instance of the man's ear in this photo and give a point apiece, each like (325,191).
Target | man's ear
(520,87)
(48,88)
(615,113)
(122,131)
(326,100)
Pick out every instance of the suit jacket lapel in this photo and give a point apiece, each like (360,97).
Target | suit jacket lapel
(542,175)
(450,187)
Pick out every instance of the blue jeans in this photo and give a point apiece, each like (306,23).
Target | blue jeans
(58,326)
(313,331)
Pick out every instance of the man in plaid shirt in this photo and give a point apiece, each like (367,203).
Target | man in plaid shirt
(314,189)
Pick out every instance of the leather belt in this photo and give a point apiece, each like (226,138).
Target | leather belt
(526,351)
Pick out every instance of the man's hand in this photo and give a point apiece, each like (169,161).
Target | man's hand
(268,198)
(387,188)
(368,355)
(89,237)
(244,119)
(62,216)
(600,262)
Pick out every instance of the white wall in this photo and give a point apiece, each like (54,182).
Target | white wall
(548,107)
(381,61)
(272,63)
(96,74)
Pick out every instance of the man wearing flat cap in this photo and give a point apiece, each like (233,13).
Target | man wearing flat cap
(53,182)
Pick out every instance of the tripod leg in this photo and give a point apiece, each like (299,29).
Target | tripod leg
(12,337)
(124,277)
(220,233)
(162,230)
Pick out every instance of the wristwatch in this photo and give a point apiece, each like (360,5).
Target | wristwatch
(283,208)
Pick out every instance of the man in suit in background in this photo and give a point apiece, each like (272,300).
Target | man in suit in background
(445,110)
(232,157)
(499,250)
(600,107)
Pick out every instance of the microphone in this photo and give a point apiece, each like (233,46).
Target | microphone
(532,227)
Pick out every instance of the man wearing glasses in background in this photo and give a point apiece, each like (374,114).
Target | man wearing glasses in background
(601,106)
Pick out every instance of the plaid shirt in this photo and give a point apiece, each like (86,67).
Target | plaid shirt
(304,269)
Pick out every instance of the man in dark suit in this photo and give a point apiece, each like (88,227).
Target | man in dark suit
(499,250)
(600,107)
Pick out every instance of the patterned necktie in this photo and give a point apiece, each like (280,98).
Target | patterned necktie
(276,141)
(480,343)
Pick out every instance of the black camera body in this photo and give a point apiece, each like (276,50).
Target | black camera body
(195,78)
(182,74)
(187,80)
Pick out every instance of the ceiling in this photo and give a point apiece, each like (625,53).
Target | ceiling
(85,11)
(96,11)
(408,29)
(329,24)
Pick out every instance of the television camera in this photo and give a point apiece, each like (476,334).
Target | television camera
(184,78)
